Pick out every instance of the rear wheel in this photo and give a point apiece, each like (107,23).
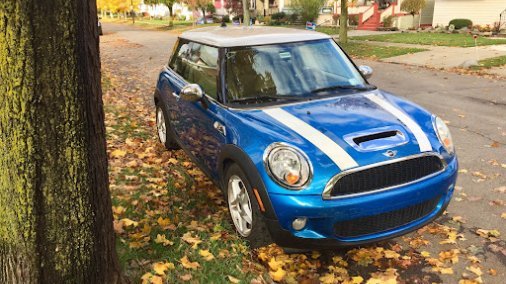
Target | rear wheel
(244,209)
(164,130)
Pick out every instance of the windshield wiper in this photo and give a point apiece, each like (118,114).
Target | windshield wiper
(263,99)
(344,87)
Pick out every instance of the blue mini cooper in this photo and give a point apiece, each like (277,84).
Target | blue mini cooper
(307,152)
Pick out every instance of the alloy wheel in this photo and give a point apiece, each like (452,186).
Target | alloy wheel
(160,125)
(239,205)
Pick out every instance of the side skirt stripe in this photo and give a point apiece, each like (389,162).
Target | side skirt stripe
(337,154)
(423,141)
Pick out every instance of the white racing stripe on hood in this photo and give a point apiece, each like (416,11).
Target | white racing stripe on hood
(337,154)
(420,136)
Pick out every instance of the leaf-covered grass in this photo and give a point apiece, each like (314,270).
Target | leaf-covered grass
(491,62)
(363,50)
(170,220)
(439,39)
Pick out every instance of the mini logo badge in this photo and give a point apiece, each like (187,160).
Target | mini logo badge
(390,153)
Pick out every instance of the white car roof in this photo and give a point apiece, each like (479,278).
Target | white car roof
(231,36)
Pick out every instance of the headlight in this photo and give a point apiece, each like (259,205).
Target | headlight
(287,165)
(443,133)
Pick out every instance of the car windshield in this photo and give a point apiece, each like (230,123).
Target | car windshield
(289,71)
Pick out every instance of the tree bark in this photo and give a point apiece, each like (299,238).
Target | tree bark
(343,22)
(55,206)
(245,9)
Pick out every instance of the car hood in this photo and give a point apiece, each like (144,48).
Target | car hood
(358,124)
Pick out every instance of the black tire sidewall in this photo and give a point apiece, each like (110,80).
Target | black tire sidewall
(259,235)
(170,141)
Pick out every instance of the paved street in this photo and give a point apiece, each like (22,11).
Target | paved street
(474,107)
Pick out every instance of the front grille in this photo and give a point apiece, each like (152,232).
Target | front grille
(385,221)
(387,175)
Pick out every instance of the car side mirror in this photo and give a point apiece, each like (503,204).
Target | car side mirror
(191,93)
(366,71)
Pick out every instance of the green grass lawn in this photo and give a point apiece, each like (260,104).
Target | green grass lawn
(158,24)
(462,40)
(363,50)
(491,62)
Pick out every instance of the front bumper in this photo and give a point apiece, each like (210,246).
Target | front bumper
(322,215)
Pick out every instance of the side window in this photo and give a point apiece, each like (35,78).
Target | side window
(197,63)
(181,53)
(202,68)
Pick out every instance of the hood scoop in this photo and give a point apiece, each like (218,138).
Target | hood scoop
(377,139)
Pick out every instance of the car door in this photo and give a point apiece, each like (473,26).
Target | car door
(199,122)
(172,81)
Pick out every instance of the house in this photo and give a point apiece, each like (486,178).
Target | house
(480,12)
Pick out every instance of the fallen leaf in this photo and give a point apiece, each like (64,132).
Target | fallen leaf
(161,239)
(275,265)
(161,267)
(232,279)
(118,153)
(474,269)
(127,222)
(278,275)
(194,241)
(186,277)
(156,280)
(208,256)
(188,264)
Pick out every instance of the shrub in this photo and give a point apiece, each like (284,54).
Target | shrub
(278,16)
(388,22)
(293,17)
(226,19)
(461,23)
(353,20)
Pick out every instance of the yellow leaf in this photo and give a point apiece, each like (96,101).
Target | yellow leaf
(315,254)
(391,254)
(474,269)
(118,153)
(127,222)
(161,239)
(146,277)
(194,241)
(357,279)
(328,278)
(425,253)
(448,270)
(275,265)
(278,275)
(164,223)
(208,256)
(232,279)
(160,268)
(188,264)
(118,210)
(156,280)
(503,215)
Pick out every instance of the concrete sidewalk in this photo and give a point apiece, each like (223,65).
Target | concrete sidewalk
(445,57)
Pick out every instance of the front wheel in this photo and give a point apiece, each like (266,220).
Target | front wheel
(244,209)
(164,130)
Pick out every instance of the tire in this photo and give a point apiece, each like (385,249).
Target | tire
(255,232)
(164,129)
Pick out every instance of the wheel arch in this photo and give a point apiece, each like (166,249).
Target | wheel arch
(231,154)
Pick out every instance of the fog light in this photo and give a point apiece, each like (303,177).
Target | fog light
(299,223)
